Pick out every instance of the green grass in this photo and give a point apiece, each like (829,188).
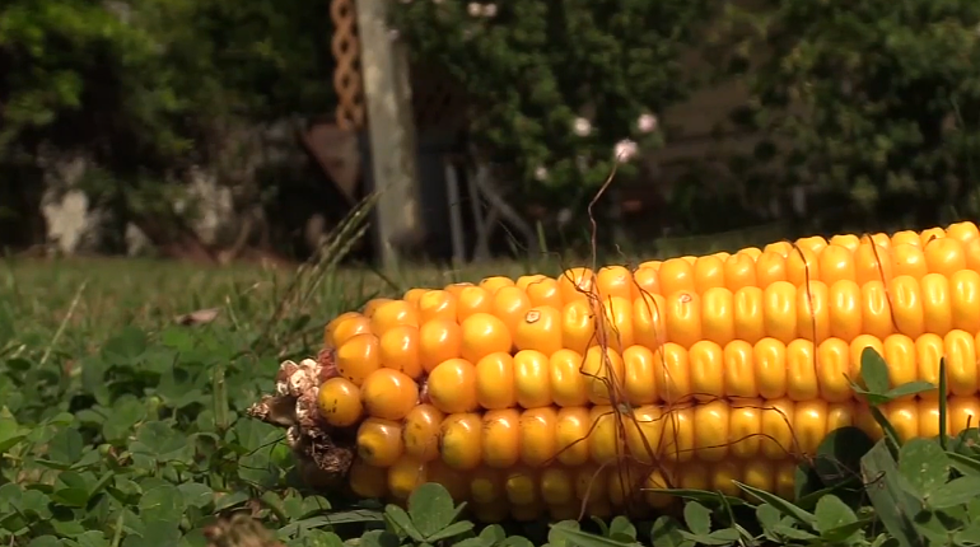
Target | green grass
(121,427)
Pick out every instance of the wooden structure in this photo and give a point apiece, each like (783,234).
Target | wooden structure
(454,191)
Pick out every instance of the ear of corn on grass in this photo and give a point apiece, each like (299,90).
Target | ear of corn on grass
(590,389)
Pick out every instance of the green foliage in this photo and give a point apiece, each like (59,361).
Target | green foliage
(877,103)
(145,89)
(142,440)
(534,67)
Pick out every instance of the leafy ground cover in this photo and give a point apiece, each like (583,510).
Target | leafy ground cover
(122,423)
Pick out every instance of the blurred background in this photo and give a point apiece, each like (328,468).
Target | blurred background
(220,130)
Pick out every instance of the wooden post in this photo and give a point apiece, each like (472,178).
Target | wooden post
(391,133)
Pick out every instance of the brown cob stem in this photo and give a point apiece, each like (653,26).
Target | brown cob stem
(323,461)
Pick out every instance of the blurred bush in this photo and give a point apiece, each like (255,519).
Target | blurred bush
(874,103)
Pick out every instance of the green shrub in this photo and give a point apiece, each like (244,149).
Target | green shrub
(874,101)
(556,85)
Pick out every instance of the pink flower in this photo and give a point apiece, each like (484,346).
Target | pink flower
(625,150)
(490,10)
(541,174)
(474,9)
(646,123)
(582,127)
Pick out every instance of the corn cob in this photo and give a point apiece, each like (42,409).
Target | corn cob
(688,372)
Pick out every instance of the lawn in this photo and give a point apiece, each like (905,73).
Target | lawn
(122,423)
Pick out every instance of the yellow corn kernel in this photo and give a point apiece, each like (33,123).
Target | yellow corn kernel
(539,439)
(899,352)
(439,340)
(405,476)
(711,431)
(833,370)
(649,325)
(809,426)
(493,283)
(672,373)
(389,394)
(578,324)
(739,373)
(539,330)
(848,241)
(460,441)
(813,306)
(779,311)
(770,267)
(718,315)
(964,412)
(931,234)
(339,402)
(510,304)
(487,485)
(961,363)
(472,300)
(615,331)
(744,428)
(358,357)
(603,369)
(678,435)
(740,271)
(399,349)
(606,444)
(573,429)
(452,386)
(929,349)
(557,486)
(769,356)
(873,262)
(906,237)
(576,284)
(945,256)
(501,438)
(639,379)
(749,314)
(379,442)
(963,231)
(644,432)
(483,333)
(614,281)
(835,263)
(367,481)
(437,304)
(420,432)
(876,310)
(777,429)
(676,275)
(496,387)
(521,485)
(709,272)
(568,385)
(532,374)
(813,243)
(392,314)
(908,259)
(544,292)
(937,312)
(646,282)
(964,287)
(682,311)
(801,372)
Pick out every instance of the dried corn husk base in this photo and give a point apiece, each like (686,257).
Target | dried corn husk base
(324,455)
